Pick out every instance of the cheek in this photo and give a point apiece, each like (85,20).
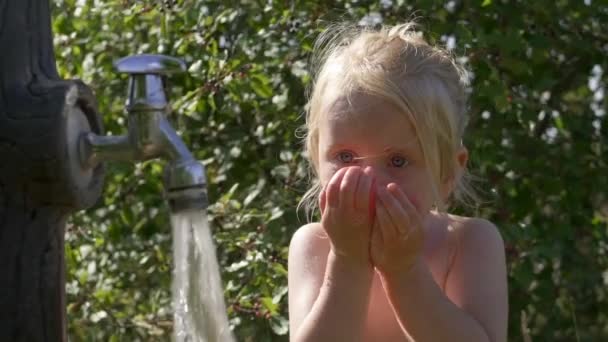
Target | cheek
(414,200)
(422,201)
(418,197)
(418,190)
(326,171)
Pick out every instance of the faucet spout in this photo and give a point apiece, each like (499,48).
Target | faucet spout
(174,148)
(185,182)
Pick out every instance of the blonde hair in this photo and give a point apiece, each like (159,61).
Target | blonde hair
(397,64)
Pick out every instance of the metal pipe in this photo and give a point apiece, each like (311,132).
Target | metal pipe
(149,133)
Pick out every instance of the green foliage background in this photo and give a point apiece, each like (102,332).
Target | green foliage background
(537,136)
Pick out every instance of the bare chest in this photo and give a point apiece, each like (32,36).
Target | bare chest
(381,323)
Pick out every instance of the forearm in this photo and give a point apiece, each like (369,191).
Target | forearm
(424,311)
(340,310)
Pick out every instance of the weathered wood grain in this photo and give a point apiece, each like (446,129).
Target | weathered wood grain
(38,188)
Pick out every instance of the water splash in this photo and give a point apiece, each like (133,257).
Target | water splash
(198,297)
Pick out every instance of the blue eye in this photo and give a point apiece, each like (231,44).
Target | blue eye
(346,157)
(398,161)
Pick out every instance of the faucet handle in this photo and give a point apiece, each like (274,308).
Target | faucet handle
(146,90)
(150,64)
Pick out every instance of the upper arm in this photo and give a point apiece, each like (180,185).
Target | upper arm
(306,269)
(477,280)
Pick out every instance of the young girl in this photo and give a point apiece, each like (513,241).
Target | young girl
(386,262)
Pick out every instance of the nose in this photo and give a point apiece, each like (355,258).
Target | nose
(378,170)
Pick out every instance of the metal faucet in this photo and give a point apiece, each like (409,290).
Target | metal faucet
(149,134)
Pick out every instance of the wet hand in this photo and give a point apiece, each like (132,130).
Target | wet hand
(346,216)
(397,235)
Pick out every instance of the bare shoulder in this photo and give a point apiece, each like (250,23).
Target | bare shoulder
(308,252)
(307,260)
(309,239)
(474,232)
(477,280)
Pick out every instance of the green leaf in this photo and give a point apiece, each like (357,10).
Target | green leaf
(282,291)
(268,303)
(279,325)
(279,269)
(275,214)
(260,85)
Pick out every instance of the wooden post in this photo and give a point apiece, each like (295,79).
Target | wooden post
(41,181)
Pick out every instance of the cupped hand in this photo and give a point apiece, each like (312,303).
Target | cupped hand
(346,216)
(397,235)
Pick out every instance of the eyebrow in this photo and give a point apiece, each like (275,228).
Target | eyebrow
(403,148)
(385,152)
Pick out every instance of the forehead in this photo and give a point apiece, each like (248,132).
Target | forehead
(366,116)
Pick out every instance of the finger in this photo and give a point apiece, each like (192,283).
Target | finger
(322,201)
(327,211)
(388,231)
(396,213)
(406,204)
(348,187)
(362,197)
(372,193)
(332,190)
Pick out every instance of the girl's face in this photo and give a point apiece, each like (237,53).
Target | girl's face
(380,132)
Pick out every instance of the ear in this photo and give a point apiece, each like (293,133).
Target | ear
(448,185)
(462,157)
